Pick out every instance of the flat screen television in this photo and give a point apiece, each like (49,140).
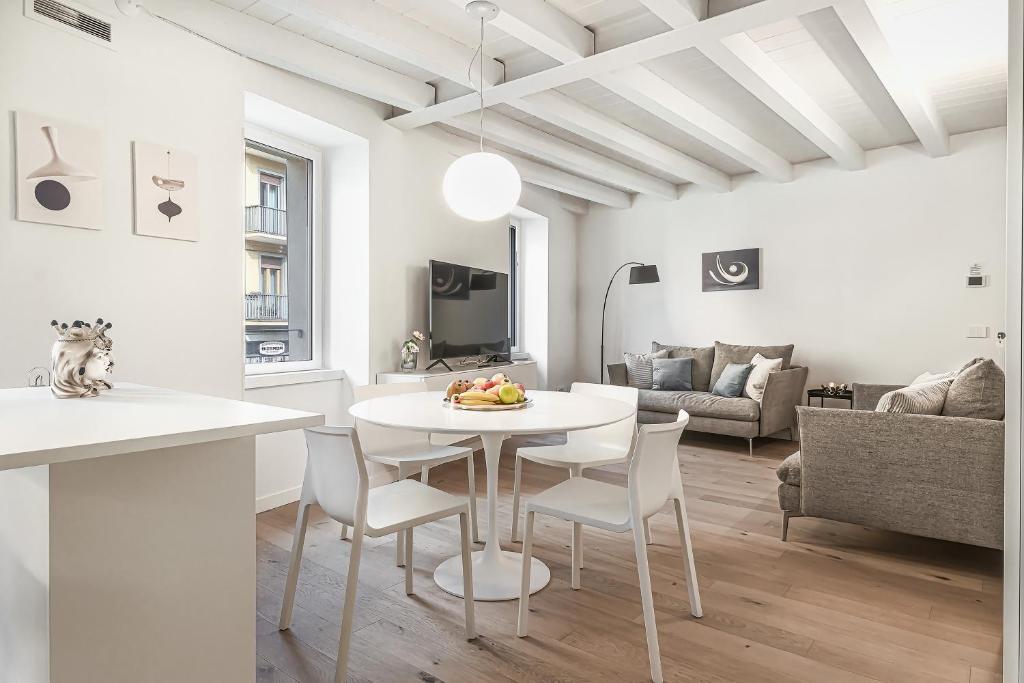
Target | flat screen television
(468,312)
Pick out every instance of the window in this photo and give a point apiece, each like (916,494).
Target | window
(282,301)
(515,299)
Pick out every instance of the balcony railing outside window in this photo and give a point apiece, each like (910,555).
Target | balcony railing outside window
(266,307)
(266,219)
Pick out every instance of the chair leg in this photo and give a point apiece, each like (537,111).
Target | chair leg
(399,544)
(646,597)
(344,532)
(298,540)
(524,586)
(577,538)
(474,513)
(516,484)
(648,536)
(786,514)
(348,612)
(688,565)
(425,474)
(467,577)
(408,561)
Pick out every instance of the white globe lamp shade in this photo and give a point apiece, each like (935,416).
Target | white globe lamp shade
(482,186)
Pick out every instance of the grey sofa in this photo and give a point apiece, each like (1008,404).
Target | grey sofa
(927,475)
(742,417)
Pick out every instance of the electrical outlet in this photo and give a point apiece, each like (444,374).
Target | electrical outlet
(39,377)
(977,332)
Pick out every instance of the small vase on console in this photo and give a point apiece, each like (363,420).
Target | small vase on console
(411,351)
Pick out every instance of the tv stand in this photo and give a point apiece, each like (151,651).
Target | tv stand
(440,361)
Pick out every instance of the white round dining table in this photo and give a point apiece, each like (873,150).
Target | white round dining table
(496,572)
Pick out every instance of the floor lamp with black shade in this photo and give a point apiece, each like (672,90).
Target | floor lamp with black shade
(639,274)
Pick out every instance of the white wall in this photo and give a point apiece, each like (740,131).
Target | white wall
(863,271)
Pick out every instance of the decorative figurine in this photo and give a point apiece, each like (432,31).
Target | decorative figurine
(81,359)
(411,350)
(833,389)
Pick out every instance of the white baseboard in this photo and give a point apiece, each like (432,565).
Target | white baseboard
(276,500)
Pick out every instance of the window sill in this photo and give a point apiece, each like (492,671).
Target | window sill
(280,379)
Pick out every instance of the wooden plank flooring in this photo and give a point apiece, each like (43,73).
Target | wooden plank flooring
(838,603)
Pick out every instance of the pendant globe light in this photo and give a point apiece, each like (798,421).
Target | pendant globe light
(481,186)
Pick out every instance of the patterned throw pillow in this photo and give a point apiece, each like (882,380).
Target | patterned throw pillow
(757,380)
(918,399)
(640,368)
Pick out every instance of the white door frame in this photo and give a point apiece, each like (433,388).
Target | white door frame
(1012,592)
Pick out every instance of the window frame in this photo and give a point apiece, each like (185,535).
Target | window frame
(515,289)
(269,138)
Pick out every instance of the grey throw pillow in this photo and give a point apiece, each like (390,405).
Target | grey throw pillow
(918,399)
(731,353)
(703,360)
(977,392)
(640,368)
(673,374)
(732,380)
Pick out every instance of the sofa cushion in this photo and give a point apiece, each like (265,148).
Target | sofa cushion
(730,353)
(977,392)
(789,471)
(732,380)
(673,374)
(703,360)
(917,399)
(701,404)
(757,380)
(640,368)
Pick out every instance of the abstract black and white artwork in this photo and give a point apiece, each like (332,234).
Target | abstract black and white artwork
(166,192)
(58,172)
(722,271)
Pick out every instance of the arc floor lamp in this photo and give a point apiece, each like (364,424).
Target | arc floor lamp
(639,274)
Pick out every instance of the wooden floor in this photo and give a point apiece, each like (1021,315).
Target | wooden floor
(837,603)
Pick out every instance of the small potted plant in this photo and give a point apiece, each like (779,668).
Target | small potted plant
(411,350)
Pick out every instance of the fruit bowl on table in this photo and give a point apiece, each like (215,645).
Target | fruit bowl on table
(483,394)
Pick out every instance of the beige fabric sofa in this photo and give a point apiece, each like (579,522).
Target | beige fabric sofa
(927,475)
(742,417)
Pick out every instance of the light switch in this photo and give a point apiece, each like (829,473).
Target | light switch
(977,331)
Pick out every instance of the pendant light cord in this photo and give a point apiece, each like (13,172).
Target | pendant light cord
(469,77)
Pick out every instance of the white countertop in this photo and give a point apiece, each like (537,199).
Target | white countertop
(38,429)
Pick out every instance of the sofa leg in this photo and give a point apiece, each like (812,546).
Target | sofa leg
(750,444)
(786,514)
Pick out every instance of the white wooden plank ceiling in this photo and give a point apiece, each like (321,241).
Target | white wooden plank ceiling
(602,99)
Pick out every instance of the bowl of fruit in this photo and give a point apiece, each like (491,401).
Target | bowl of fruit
(496,393)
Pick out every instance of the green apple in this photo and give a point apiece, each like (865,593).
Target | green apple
(508,394)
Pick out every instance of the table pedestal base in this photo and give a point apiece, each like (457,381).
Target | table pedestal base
(496,576)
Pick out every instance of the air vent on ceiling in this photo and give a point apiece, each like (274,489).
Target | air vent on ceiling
(73,18)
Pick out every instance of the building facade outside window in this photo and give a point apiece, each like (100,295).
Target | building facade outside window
(282,297)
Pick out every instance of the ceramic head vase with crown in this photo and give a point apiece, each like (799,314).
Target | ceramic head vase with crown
(82,359)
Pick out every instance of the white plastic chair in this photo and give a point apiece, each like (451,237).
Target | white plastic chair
(653,478)
(409,451)
(336,480)
(585,448)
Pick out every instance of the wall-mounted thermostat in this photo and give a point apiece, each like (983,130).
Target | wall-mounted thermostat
(975,278)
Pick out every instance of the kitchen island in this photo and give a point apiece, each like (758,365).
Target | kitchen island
(127,535)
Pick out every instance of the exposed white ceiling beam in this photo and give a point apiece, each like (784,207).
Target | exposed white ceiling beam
(579,160)
(543,27)
(552,178)
(678,13)
(683,112)
(652,93)
(836,42)
(913,100)
(395,34)
(287,50)
(748,65)
(563,111)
